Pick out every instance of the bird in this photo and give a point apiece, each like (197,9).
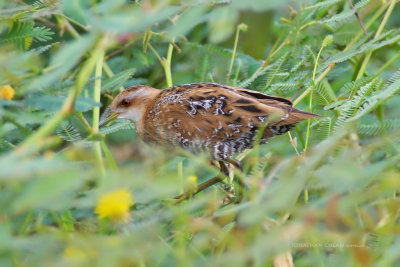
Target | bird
(220,120)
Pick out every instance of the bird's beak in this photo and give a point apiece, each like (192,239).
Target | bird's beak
(108,117)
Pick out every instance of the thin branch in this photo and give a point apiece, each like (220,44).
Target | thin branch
(357,16)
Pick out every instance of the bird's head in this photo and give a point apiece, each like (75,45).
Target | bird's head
(130,104)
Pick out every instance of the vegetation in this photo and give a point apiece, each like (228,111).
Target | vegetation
(73,193)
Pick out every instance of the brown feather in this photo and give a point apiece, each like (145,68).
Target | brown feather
(205,116)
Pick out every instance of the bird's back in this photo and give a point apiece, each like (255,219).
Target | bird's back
(220,119)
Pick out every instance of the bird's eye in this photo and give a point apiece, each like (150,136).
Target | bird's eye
(125,103)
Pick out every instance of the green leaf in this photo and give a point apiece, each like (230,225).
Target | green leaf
(378,98)
(68,132)
(21,35)
(118,126)
(378,128)
(115,82)
(52,103)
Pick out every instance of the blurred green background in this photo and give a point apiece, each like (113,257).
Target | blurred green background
(326,194)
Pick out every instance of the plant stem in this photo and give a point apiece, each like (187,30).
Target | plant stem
(310,105)
(233,53)
(326,42)
(82,119)
(167,65)
(95,55)
(309,121)
(306,195)
(387,64)
(385,18)
(110,159)
(96,111)
(74,21)
(316,61)
(378,32)
(155,53)
(97,91)
(68,26)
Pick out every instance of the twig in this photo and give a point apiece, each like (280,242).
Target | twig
(357,16)
(80,116)
(371,21)
(297,92)
(292,141)
(220,177)
(120,50)
(86,28)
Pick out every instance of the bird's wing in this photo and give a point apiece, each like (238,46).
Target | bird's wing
(218,112)
(291,115)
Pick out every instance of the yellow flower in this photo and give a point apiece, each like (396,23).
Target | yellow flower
(191,183)
(6,92)
(115,205)
(78,254)
(73,252)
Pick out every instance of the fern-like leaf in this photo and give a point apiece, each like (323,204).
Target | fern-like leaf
(349,108)
(117,80)
(321,4)
(69,133)
(384,39)
(376,99)
(378,128)
(322,96)
(324,130)
(118,126)
(345,16)
(21,35)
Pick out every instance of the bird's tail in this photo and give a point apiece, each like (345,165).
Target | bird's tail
(297,115)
